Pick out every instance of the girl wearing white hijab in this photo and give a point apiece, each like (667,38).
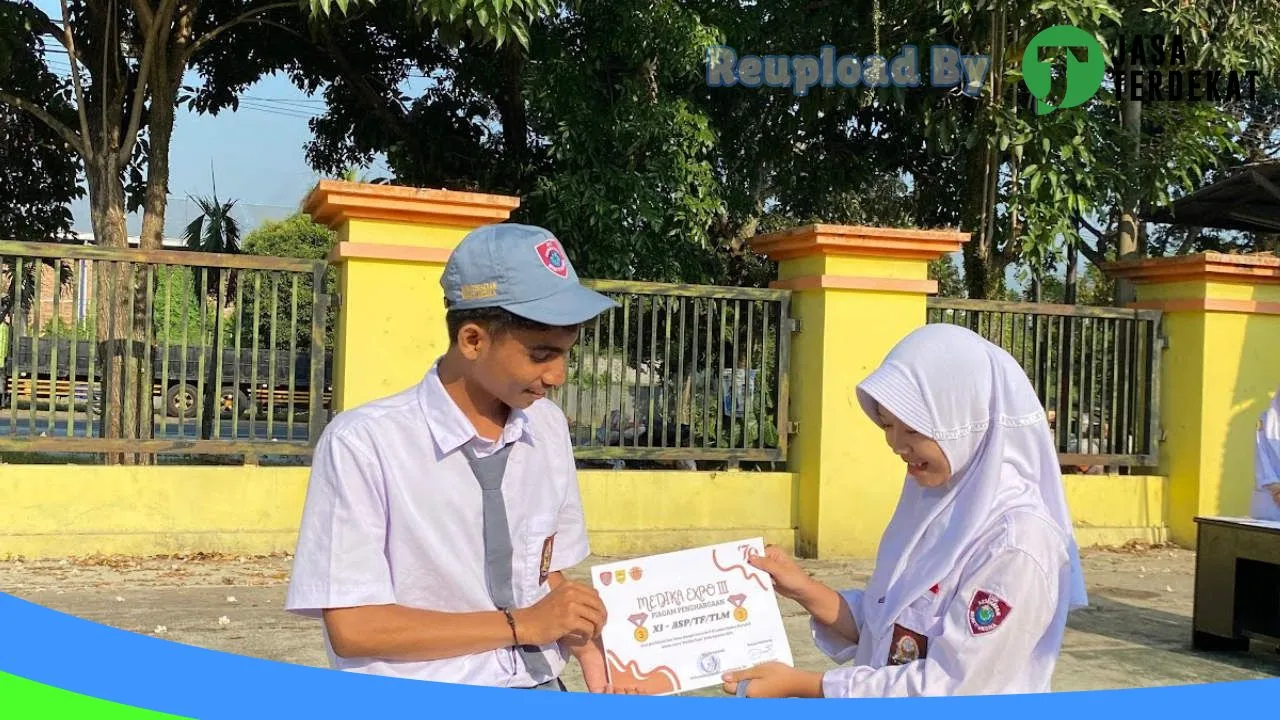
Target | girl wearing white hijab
(978,567)
(1266,471)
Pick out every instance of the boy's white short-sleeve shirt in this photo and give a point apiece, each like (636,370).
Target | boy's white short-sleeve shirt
(393,514)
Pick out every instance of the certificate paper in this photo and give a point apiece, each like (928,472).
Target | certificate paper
(679,621)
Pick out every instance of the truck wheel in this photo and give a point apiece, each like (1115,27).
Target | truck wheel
(228,400)
(182,401)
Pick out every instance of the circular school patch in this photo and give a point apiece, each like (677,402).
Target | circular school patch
(986,612)
(905,650)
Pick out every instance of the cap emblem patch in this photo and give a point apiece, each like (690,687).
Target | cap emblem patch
(552,256)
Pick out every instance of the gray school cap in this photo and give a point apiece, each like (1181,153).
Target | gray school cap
(522,269)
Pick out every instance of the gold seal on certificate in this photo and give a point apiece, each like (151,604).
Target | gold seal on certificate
(679,621)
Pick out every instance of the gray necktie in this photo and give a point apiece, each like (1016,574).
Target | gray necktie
(497,545)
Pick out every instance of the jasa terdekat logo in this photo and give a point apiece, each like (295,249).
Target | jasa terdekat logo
(1143,68)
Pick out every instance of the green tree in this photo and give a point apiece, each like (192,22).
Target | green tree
(127,62)
(297,237)
(38,175)
(214,230)
(603,107)
(947,274)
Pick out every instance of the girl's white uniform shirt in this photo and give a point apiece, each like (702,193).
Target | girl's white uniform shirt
(1267,463)
(958,637)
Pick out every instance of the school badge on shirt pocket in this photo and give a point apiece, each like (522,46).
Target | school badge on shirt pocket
(544,567)
(907,646)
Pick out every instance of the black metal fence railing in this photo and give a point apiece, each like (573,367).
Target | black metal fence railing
(681,373)
(1096,370)
(125,352)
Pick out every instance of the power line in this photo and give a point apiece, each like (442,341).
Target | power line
(282,110)
(284,100)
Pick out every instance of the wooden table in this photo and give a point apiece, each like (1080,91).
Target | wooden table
(1237,593)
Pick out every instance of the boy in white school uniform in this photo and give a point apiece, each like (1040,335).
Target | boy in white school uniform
(438,520)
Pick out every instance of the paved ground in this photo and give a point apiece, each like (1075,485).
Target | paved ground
(1135,634)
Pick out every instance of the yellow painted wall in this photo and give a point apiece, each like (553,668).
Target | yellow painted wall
(391,328)
(862,477)
(854,266)
(632,513)
(54,511)
(391,323)
(402,234)
(851,479)
(1233,384)
(1181,417)
(1110,510)
(58,510)
(806,402)
(1219,371)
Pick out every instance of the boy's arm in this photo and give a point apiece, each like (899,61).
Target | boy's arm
(396,632)
(590,656)
(589,653)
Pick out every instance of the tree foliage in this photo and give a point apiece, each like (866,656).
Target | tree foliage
(297,237)
(606,128)
(38,172)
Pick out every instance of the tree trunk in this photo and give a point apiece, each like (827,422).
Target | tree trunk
(1128,240)
(982,271)
(983,268)
(164,96)
(1071,291)
(511,110)
(106,204)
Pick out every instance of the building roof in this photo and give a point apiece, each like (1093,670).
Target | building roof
(1247,199)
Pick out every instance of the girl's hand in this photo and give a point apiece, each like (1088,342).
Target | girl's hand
(774,680)
(789,579)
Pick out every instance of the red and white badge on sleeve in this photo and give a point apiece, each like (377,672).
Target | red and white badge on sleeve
(986,611)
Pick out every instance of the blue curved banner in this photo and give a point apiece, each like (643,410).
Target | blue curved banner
(54,650)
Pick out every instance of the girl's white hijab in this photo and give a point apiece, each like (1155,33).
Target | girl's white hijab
(976,402)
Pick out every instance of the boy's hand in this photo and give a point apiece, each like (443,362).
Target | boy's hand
(1274,488)
(571,610)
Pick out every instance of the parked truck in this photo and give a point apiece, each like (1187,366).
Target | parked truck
(247,380)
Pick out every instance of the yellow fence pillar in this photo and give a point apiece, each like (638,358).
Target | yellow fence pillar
(393,243)
(1222,320)
(856,292)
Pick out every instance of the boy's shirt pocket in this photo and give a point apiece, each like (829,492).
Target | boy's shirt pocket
(538,545)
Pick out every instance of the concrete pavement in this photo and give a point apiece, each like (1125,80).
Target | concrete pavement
(1135,634)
